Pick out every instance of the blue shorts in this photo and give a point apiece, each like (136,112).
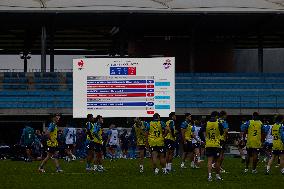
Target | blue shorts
(170,144)
(277,152)
(268,146)
(213,152)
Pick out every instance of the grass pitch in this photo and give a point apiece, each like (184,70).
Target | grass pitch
(125,174)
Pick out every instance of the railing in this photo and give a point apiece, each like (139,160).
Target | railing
(35,70)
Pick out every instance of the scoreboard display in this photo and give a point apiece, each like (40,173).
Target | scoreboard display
(123,87)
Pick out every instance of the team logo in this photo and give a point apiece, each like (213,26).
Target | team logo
(167,64)
(80,64)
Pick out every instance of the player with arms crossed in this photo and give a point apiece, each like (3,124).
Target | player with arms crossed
(170,140)
(214,129)
(278,143)
(155,139)
(52,144)
(140,135)
(255,136)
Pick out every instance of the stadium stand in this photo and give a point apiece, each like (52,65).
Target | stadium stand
(193,90)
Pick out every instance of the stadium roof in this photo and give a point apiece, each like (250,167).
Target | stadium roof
(152,6)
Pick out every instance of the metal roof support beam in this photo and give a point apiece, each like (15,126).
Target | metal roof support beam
(260,53)
(43,49)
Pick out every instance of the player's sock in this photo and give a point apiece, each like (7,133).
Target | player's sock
(167,165)
(156,171)
(141,168)
(218,177)
(267,167)
(243,157)
(282,170)
(182,164)
(170,166)
(192,165)
(209,174)
(95,167)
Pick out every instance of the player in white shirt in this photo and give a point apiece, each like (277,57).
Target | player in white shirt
(196,145)
(112,141)
(268,140)
(70,141)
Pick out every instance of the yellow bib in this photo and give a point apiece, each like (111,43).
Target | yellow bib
(169,136)
(277,142)
(212,135)
(91,129)
(254,134)
(188,133)
(52,142)
(155,137)
(140,134)
(100,140)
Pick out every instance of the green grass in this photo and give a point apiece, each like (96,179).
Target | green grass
(124,174)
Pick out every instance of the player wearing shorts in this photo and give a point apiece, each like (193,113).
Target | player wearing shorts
(255,137)
(241,144)
(90,145)
(27,140)
(98,143)
(223,137)
(140,135)
(52,144)
(196,144)
(70,141)
(214,129)
(112,141)
(278,144)
(268,141)
(187,133)
(170,140)
(155,139)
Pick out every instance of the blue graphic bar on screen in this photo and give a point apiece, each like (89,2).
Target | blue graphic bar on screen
(162,97)
(162,107)
(160,84)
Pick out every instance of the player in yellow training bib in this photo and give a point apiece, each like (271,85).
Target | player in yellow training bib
(89,141)
(52,144)
(98,142)
(139,128)
(255,136)
(223,138)
(170,140)
(277,132)
(187,134)
(213,131)
(155,139)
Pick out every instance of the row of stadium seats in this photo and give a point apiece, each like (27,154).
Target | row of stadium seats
(202,90)
(37,105)
(229,75)
(229,86)
(229,105)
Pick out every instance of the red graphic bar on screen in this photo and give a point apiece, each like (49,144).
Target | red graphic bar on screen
(117,86)
(118,95)
(131,70)
(150,94)
(150,86)
(150,112)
